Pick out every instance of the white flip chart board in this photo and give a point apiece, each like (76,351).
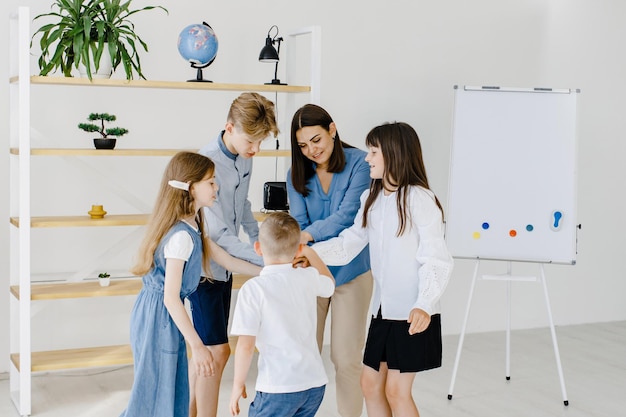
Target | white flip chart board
(512,189)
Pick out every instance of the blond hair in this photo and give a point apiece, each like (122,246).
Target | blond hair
(254,115)
(279,236)
(172,205)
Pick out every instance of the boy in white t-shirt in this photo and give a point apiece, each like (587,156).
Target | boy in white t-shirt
(277,312)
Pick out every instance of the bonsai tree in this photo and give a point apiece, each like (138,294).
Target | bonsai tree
(104,132)
(81,31)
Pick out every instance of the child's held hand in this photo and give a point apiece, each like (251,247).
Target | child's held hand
(236,394)
(303,259)
(203,361)
(419,319)
(300,262)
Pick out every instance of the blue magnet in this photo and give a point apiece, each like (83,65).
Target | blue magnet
(556,220)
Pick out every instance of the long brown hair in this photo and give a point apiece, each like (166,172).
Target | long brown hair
(404,167)
(172,205)
(302,167)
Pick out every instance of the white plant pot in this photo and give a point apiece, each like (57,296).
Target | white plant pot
(105,69)
(104,282)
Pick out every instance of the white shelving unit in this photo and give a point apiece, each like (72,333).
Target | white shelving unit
(24,292)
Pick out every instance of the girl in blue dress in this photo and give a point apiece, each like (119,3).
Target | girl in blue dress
(171,259)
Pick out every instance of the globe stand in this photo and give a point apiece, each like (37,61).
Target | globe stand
(199,75)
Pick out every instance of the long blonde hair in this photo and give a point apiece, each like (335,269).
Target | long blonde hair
(172,205)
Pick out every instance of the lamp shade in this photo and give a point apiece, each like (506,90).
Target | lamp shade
(268,53)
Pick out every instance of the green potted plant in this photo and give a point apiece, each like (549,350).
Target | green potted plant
(85,31)
(108,135)
(104,279)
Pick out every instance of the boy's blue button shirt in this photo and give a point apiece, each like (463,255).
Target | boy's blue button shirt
(232,210)
(325,215)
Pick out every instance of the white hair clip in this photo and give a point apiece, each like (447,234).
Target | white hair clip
(179,184)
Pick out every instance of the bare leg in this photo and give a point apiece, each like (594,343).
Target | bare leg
(205,391)
(373,384)
(398,391)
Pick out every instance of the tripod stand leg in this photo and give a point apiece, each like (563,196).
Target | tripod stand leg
(462,336)
(554,341)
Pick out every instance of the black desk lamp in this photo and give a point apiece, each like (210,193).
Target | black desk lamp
(270,54)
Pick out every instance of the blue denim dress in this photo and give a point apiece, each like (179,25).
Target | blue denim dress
(161,385)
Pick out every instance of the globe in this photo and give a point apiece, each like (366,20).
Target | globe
(198,44)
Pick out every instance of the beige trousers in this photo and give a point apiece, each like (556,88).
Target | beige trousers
(350,305)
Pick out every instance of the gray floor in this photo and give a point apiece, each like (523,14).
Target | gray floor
(593,358)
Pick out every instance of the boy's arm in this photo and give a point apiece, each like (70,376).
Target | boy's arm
(316,262)
(243,359)
(249,223)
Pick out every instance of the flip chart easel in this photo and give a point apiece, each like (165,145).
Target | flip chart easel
(509,277)
(512,191)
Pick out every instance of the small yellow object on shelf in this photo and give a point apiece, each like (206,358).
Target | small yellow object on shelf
(96,212)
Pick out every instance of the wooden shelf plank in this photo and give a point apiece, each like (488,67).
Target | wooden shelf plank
(84,289)
(108,221)
(176,85)
(56,360)
(60,290)
(85,221)
(129,152)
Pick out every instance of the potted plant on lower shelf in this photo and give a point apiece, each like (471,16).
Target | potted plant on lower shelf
(109,135)
(104,279)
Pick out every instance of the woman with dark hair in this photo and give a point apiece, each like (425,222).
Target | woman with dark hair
(325,183)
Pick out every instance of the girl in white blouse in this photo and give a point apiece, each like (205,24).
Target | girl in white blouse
(402,220)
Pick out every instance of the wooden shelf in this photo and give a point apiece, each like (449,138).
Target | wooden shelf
(175,85)
(55,360)
(85,221)
(129,152)
(84,289)
(60,290)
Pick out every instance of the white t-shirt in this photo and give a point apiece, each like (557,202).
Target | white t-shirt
(179,246)
(279,307)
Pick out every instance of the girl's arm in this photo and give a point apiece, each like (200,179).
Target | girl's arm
(432,252)
(231,263)
(202,357)
(357,182)
(344,248)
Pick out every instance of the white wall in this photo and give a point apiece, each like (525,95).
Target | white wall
(381,61)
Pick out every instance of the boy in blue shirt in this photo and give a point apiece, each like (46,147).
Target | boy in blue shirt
(251,119)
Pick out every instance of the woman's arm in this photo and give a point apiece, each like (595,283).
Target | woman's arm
(202,357)
(231,263)
(297,204)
